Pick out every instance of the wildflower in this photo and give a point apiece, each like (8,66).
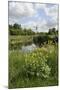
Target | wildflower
(37,74)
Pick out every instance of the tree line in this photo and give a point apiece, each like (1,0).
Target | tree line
(17,29)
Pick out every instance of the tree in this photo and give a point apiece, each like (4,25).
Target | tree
(52,31)
(16,26)
(49,32)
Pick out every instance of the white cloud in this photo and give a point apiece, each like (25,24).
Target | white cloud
(17,9)
(53,13)
(40,6)
(40,24)
(20,10)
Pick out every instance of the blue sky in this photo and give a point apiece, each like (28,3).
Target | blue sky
(30,15)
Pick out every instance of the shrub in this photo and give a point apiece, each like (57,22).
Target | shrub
(41,39)
(36,64)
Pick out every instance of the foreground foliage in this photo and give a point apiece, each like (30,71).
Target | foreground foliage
(37,68)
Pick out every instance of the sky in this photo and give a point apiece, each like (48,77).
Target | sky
(32,15)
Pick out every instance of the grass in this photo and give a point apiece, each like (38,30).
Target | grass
(35,69)
(15,42)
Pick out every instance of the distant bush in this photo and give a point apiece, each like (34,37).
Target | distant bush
(41,39)
(55,39)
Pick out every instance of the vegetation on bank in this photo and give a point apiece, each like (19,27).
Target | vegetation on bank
(17,29)
(16,42)
(38,68)
(19,36)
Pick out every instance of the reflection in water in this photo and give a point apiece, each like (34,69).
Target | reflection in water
(29,48)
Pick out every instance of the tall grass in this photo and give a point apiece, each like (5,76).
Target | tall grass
(38,68)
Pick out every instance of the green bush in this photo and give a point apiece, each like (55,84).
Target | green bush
(36,65)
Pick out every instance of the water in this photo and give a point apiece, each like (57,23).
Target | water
(26,49)
(29,48)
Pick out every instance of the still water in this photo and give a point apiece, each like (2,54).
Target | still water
(26,49)
(29,48)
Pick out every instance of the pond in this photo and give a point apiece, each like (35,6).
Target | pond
(26,48)
(29,48)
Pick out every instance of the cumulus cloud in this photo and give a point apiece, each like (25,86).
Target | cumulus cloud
(53,13)
(40,24)
(17,9)
(27,14)
(40,6)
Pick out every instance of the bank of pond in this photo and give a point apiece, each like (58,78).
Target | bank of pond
(16,42)
(33,61)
